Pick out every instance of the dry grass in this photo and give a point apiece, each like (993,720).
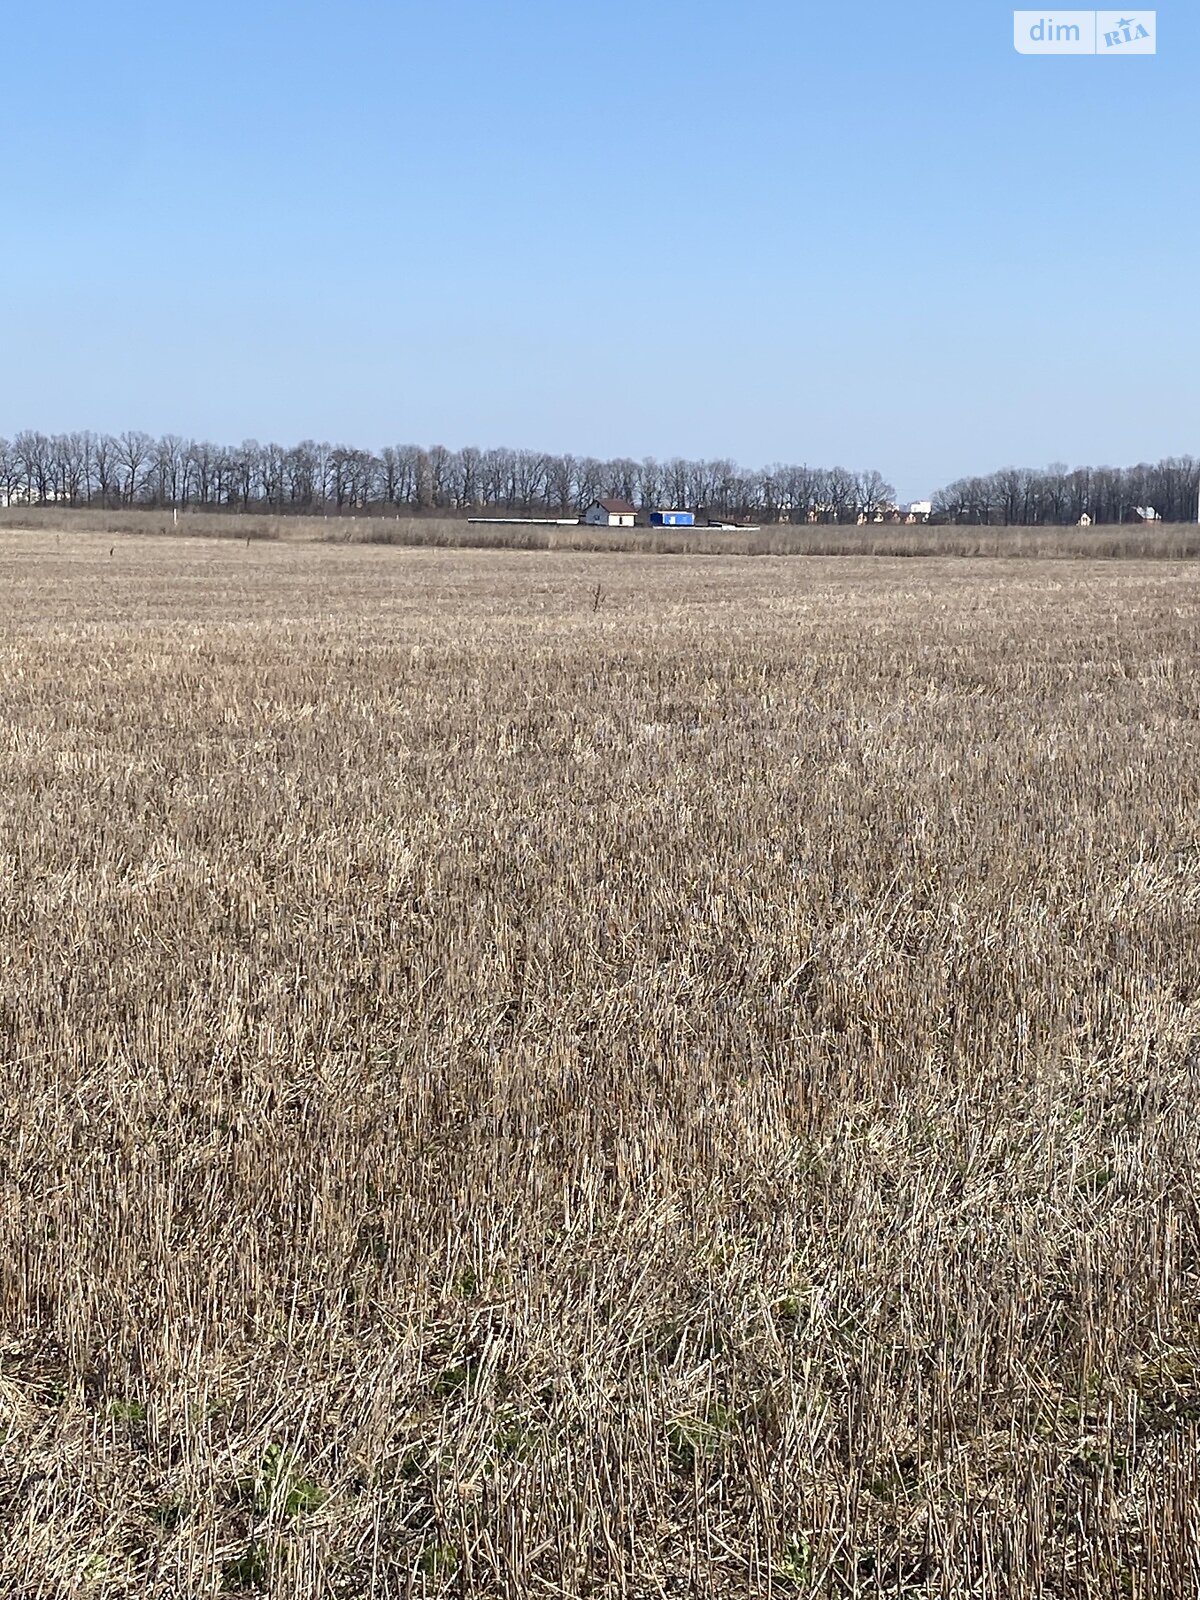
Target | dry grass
(1169,542)
(516,1091)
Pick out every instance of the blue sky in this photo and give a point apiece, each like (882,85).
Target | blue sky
(861,234)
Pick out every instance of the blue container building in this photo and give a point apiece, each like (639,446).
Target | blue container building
(672,519)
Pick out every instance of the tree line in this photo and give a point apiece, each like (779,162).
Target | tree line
(135,469)
(1025,497)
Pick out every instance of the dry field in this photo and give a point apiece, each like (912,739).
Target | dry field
(560,1076)
(1165,542)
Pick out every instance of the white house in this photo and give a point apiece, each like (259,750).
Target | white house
(1085,521)
(611,514)
(919,511)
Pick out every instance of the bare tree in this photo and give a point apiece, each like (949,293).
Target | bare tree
(840,502)
(134,450)
(874,495)
(34,460)
(105,456)
(10,473)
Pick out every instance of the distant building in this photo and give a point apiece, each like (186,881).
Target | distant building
(919,511)
(1146,514)
(672,519)
(1085,521)
(611,514)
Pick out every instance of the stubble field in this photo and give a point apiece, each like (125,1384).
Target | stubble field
(561,1075)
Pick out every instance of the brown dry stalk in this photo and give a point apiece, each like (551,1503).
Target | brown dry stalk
(505,1097)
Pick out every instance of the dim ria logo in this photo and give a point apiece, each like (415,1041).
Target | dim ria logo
(1086,33)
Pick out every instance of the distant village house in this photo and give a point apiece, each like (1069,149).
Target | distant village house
(610,514)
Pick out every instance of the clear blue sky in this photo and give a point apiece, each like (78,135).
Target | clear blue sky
(862,234)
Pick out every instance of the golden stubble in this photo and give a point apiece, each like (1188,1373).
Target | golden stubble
(536,1074)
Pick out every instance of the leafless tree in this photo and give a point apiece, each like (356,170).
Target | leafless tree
(873,494)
